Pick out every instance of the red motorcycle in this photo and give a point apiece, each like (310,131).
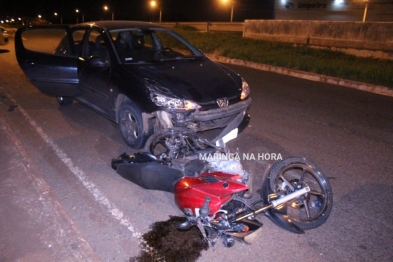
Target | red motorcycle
(295,194)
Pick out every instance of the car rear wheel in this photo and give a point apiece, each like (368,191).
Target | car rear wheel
(131,125)
(65,100)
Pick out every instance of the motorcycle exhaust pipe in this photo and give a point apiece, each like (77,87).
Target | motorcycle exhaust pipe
(277,202)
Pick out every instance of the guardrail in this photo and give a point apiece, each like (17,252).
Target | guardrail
(371,39)
(234,27)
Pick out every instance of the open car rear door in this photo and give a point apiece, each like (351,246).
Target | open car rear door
(47,56)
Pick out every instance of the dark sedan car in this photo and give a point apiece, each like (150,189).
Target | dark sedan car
(143,76)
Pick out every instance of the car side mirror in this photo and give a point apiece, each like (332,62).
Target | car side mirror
(97,61)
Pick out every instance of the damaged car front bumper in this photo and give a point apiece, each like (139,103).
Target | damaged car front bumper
(226,118)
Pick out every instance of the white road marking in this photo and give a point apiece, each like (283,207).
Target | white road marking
(90,186)
(67,233)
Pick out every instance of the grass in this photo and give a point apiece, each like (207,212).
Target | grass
(304,58)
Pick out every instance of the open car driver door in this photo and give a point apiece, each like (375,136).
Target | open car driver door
(47,56)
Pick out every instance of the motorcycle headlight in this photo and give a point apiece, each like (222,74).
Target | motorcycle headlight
(174,103)
(245,90)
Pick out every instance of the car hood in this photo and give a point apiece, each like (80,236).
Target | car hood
(199,80)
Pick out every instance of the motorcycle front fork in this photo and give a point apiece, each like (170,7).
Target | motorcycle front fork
(203,231)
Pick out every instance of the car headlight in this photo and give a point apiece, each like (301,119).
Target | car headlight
(166,101)
(245,90)
(174,103)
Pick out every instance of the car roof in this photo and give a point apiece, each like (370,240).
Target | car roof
(120,24)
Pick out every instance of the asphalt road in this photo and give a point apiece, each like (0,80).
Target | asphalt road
(61,201)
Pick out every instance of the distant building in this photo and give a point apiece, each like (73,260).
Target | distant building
(334,10)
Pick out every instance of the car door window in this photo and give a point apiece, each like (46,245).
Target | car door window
(95,46)
(77,37)
(50,41)
(91,48)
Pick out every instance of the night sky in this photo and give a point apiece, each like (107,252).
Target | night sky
(172,10)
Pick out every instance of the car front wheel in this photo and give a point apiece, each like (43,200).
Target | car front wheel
(131,125)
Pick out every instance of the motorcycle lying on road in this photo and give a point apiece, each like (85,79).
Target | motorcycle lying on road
(213,191)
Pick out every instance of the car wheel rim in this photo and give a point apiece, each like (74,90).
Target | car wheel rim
(130,127)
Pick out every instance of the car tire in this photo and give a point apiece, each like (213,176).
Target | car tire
(131,125)
(65,100)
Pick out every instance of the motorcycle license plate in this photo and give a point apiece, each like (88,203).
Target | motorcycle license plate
(228,137)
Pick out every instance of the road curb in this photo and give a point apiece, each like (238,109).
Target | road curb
(381,90)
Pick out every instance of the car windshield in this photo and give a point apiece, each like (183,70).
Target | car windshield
(139,46)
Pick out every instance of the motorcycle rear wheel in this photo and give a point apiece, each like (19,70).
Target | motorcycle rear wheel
(308,211)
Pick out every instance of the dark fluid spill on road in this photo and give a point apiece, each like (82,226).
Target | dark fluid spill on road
(170,244)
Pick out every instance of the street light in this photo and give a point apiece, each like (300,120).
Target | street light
(365,10)
(77,11)
(106,8)
(61,18)
(153,5)
(83,16)
(232,6)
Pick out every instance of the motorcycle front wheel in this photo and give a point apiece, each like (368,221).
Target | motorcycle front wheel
(312,209)
(173,143)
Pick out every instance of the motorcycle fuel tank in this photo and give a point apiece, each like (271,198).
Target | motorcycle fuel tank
(191,192)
